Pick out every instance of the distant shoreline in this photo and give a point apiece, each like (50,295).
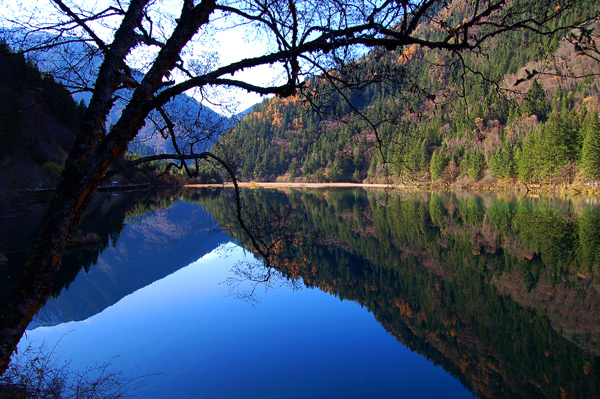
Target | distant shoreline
(498,186)
(295,185)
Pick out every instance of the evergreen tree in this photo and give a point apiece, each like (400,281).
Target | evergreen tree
(498,163)
(535,101)
(527,166)
(590,153)
(438,164)
(477,165)
(293,169)
(559,143)
(589,248)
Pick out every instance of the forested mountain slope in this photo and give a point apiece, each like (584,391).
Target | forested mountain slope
(524,108)
(38,122)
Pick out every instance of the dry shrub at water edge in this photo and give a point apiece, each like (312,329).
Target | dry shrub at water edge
(37,372)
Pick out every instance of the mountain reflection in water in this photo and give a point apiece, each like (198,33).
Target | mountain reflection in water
(197,341)
(502,293)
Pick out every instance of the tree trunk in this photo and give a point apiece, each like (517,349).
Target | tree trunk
(34,286)
(92,154)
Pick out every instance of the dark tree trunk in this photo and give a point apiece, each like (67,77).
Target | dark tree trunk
(92,155)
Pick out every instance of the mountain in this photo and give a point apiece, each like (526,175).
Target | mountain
(242,114)
(522,116)
(195,125)
(38,123)
(75,66)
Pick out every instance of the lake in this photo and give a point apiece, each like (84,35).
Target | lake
(368,294)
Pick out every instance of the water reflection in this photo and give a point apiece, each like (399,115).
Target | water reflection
(500,292)
(503,293)
(203,343)
(151,245)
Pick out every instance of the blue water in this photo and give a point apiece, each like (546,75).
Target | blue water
(192,338)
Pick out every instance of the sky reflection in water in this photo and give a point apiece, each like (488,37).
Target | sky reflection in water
(199,342)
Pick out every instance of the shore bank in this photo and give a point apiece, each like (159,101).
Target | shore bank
(296,185)
(573,190)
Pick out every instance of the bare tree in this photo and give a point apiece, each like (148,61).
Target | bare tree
(304,38)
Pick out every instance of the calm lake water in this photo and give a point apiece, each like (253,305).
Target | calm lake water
(370,295)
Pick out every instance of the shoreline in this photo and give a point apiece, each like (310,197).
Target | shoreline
(546,190)
(295,185)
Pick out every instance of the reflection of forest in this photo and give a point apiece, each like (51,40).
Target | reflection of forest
(100,227)
(503,293)
(154,244)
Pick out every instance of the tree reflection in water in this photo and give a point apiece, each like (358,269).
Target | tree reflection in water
(503,293)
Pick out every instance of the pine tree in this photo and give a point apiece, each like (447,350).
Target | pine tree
(559,144)
(477,165)
(502,163)
(529,159)
(535,101)
(438,164)
(590,153)
(589,237)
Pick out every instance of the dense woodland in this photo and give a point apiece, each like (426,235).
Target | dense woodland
(524,108)
(38,122)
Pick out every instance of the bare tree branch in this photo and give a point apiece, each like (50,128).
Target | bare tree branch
(304,36)
(101,45)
